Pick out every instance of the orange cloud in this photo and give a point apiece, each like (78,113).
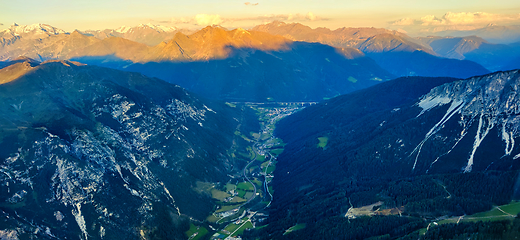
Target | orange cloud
(460,18)
(205,19)
(250,4)
(457,21)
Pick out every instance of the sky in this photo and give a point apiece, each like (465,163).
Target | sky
(411,16)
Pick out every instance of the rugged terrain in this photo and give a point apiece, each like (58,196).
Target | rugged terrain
(96,153)
(448,151)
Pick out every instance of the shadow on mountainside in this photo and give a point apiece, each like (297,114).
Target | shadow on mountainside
(303,72)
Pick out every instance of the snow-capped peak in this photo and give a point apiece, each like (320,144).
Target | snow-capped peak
(123,29)
(158,28)
(16,29)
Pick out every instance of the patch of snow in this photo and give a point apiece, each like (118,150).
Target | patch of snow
(455,107)
(508,138)
(478,140)
(428,103)
(123,29)
(79,219)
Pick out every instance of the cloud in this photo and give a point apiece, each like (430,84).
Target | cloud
(251,4)
(404,22)
(205,19)
(311,16)
(461,18)
(457,21)
(290,17)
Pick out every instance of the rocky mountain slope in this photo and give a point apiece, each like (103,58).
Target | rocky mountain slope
(148,34)
(96,153)
(451,150)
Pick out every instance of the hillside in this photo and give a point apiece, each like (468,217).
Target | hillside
(426,153)
(90,152)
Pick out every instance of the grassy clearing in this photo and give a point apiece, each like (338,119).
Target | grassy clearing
(270,169)
(264,165)
(323,142)
(252,169)
(226,208)
(295,228)
(491,213)
(230,186)
(275,142)
(245,186)
(237,199)
(248,195)
(200,231)
(277,151)
(512,208)
(494,214)
(212,218)
(257,182)
(203,187)
(265,136)
(220,195)
(241,193)
(231,227)
(260,158)
(241,230)
(255,135)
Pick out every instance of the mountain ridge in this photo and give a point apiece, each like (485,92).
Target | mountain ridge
(404,143)
(91,152)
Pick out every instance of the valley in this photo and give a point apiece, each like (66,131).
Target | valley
(243,201)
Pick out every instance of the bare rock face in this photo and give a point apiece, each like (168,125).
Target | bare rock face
(95,153)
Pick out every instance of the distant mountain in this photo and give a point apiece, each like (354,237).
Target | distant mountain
(396,52)
(213,43)
(493,34)
(492,56)
(448,151)
(35,31)
(365,39)
(148,34)
(69,45)
(453,47)
(423,64)
(93,153)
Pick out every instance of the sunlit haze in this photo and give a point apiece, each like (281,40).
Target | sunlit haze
(407,15)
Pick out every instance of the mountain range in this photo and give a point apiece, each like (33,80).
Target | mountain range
(238,54)
(492,33)
(495,57)
(96,153)
(396,52)
(148,34)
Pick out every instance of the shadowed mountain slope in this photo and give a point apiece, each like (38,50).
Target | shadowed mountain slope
(428,147)
(91,152)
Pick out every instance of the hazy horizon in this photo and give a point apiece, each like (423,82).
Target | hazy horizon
(408,16)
